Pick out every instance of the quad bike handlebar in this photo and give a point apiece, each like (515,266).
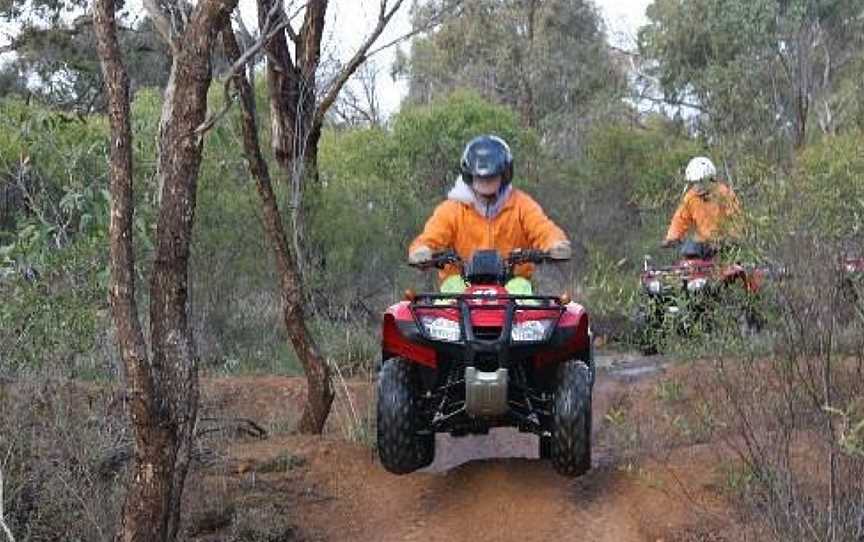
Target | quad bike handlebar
(438,260)
(444,258)
(530,256)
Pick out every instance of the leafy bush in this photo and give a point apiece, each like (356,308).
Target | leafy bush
(431,138)
(52,181)
(60,318)
(53,237)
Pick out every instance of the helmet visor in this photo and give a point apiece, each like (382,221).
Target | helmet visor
(486,162)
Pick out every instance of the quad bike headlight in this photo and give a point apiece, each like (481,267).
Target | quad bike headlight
(696,284)
(653,286)
(441,329)
(530,330)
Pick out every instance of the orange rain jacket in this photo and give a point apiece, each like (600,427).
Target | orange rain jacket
(520,223)
(709,214)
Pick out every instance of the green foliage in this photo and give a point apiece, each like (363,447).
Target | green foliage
(760,71)
(546,60)
(821,198)
(609,289)
(236,302)
(736,478)
(55,56)
(669,390)
(51,165)
(829,186)
(431,138)
(59,319)
(53,235)
(647,163)
(623,428)
(52,239)
(58,144)
(615,202)
(360,185)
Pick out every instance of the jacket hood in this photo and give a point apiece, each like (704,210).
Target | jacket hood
(463,193)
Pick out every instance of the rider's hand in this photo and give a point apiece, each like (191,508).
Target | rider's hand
(560,250)
(420,255)
(668,243)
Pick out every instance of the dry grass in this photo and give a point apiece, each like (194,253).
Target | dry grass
(57,443)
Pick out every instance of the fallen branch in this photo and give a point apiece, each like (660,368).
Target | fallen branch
(243,426)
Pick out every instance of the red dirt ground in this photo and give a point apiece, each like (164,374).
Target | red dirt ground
(292,487)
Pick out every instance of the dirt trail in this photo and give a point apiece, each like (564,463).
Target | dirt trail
(338,491)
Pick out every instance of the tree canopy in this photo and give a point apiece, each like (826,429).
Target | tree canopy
(758,69)
(548,60)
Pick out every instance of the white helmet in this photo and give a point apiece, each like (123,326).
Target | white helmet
(699,168)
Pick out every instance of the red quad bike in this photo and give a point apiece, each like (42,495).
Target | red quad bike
(464,363)
(682,297)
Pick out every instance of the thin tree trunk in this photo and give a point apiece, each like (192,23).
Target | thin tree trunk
(180,149)
(320,389)
(291,82)
(526,59)
(296,123)
(144,507)
(802,87)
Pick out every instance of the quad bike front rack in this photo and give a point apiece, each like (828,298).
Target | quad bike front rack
(469,341)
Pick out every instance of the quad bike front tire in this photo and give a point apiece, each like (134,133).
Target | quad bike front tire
(401,449)
(750,322)
(545,447)
(570,446)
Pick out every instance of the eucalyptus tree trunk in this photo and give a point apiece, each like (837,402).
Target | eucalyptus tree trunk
(162,388)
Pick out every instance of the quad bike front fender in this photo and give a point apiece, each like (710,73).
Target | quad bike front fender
(572,339)
(396,342)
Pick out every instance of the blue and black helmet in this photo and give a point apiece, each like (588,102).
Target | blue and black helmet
(487,156)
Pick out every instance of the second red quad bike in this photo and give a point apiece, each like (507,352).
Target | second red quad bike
(464,363)
(687,295)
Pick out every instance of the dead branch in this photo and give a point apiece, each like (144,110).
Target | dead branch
(277,26)
(290,29)
(384,16)
(430,24)
(3,525)
(240,426)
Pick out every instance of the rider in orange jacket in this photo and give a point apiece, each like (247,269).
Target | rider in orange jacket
(484,211)
(709,207)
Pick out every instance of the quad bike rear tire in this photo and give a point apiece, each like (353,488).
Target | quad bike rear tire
(646,333)
(401,449)
(571,420)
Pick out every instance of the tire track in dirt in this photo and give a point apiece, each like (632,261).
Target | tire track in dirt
(514,500)
(482,488)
